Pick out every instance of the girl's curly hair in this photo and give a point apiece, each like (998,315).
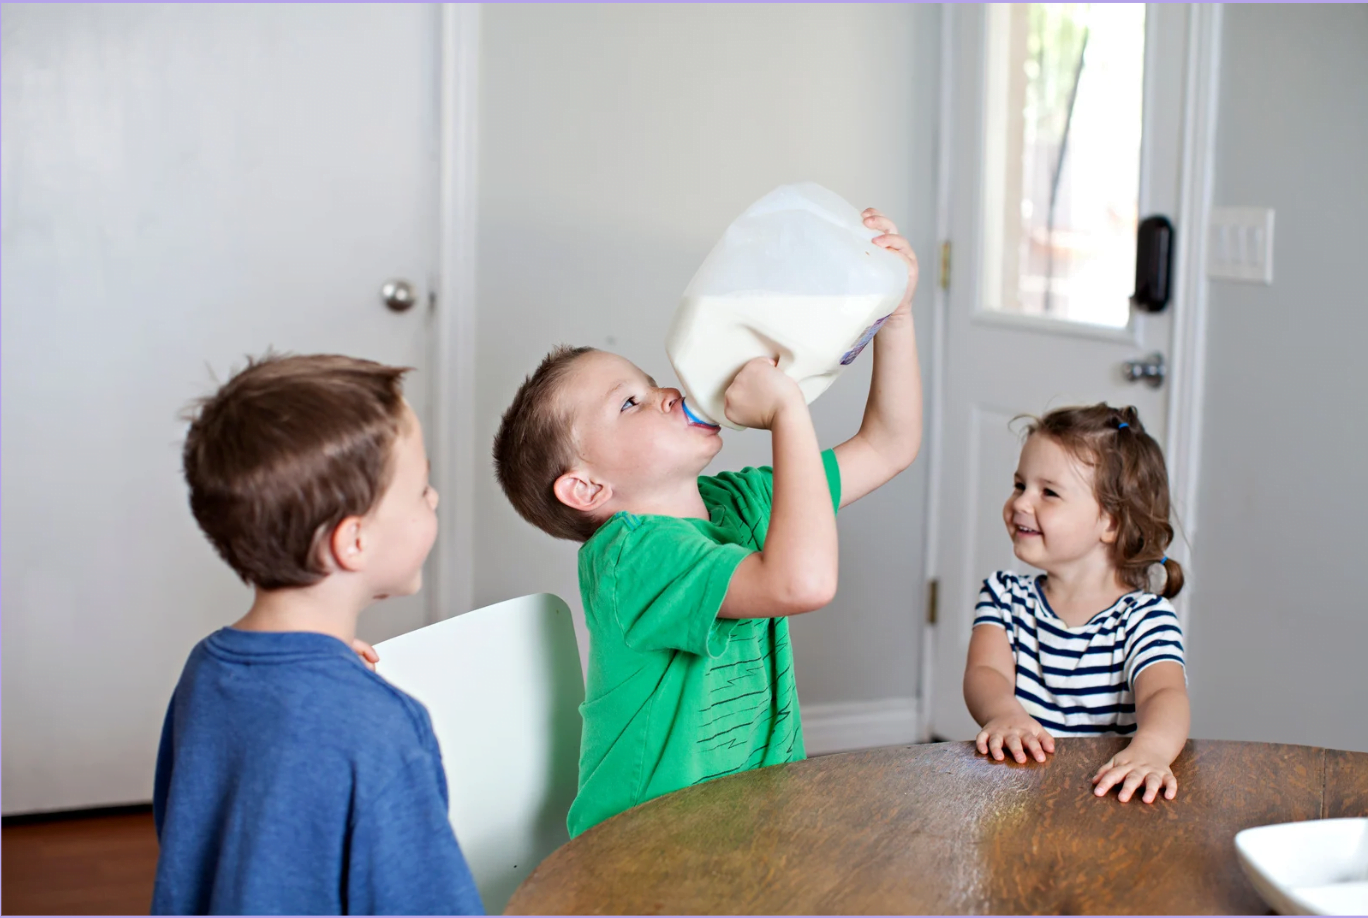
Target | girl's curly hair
(1130,482)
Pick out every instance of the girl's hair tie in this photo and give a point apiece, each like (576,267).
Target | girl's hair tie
(1121,424)
(1164,560)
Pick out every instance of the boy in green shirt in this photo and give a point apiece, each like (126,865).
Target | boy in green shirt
(687,580)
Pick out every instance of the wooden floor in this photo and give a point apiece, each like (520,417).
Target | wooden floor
(100,865)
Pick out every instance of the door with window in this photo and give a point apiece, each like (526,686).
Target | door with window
(1066,133)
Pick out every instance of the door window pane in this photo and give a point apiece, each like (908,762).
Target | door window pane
(1062,159)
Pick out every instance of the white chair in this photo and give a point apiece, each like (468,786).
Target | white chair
(503,686)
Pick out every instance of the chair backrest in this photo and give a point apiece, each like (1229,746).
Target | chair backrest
(503,686)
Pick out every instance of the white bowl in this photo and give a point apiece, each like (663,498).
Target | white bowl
(1317,867)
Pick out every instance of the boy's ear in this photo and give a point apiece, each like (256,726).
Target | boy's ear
(578,491)
(345,548)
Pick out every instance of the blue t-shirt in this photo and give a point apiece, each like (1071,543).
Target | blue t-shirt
(293,780)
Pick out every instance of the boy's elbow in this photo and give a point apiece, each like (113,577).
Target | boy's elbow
(908,453)
(897,453)
(823,593)
(812,591)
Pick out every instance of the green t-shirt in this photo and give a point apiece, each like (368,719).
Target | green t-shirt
(675,695)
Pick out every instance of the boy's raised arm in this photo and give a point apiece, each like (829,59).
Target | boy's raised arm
(890,434)
(796,571)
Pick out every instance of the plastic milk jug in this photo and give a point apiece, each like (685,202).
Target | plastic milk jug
(795,277)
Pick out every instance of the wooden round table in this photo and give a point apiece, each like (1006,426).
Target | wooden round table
(939,829)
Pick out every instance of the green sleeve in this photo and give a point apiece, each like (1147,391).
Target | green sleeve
(833,474)
(751,490)
(671,580)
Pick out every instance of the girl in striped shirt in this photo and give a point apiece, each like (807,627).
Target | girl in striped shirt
(1085,648)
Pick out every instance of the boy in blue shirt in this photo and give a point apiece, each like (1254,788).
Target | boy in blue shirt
(291,779)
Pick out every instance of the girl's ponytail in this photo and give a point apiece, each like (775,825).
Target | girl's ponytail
(1173,578)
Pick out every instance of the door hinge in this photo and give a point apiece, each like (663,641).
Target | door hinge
(932,600)
(945,268)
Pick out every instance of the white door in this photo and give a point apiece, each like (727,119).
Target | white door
(1065,129)
(183,185)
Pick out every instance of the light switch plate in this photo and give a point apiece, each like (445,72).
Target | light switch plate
(1240,244)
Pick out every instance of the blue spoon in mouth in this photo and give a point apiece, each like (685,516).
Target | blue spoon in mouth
(695,419)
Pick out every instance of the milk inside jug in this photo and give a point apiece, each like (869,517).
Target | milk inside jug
(796,278)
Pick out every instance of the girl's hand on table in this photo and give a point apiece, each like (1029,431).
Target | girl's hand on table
(1019,733)
(1132,767)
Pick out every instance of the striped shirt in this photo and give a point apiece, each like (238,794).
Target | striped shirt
(1079,681)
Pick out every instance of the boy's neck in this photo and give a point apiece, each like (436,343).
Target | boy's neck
(320,609)
(681,499)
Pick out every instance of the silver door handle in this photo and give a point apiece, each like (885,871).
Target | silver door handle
(398,295)
(1150,370)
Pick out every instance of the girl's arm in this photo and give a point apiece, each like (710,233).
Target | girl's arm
(990,693)
(1163,717)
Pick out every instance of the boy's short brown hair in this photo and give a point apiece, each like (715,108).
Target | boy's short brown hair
(284,451)
(535,446)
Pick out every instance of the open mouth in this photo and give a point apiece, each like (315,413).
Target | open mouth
(1027,531)
(694,420)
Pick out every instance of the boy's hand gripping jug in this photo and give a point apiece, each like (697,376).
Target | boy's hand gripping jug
(795,277)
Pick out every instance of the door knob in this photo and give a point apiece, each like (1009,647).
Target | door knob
(398,295)
(1150,370)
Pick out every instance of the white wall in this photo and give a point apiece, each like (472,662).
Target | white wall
(616,143)
(1280,625)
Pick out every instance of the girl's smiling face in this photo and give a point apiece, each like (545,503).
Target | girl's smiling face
(1052,516)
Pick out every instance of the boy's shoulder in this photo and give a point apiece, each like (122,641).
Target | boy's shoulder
(668,564)
(749,492)
(625,526)
(303,684)
(750,479)
(628,534)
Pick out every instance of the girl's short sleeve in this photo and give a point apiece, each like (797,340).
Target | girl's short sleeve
(994,605)
(1153,636)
